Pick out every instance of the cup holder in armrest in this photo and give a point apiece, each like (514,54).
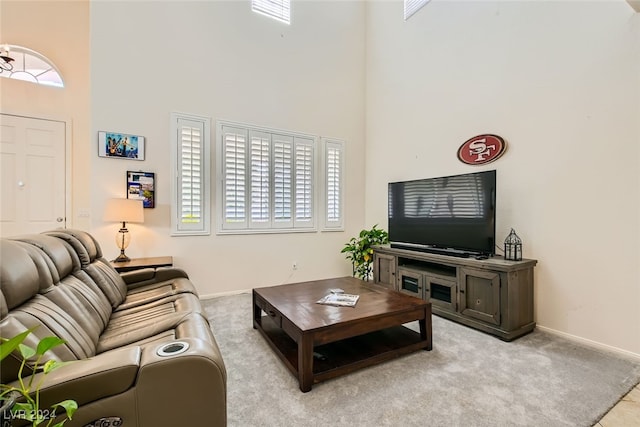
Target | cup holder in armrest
(172,348)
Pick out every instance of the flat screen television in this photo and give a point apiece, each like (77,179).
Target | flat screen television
(454,215)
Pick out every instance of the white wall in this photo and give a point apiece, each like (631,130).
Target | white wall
(58,30)
(221,60)
(560,81)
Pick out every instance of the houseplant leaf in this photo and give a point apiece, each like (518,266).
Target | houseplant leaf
(26,351)
(69,406)
(48,343)
(11,344)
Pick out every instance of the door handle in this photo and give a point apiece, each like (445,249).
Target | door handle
(59,219)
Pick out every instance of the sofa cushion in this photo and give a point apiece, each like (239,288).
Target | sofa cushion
(82,300)
(81,241)
(23,274)
(19,278)
(149,293)
(16,323)
(91,261)
(4,310)
(144,322)
(58,258)
(120,295)
(40,311)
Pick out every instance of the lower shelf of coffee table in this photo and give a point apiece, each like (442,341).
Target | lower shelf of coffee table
(341,357)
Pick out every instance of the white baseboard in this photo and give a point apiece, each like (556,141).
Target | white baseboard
(590,343)
(224,294)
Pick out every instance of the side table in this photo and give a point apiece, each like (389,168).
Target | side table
(138,263)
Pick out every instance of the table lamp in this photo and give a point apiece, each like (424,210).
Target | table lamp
(123,210)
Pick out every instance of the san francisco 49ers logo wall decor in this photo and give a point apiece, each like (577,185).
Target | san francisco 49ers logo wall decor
(482,149)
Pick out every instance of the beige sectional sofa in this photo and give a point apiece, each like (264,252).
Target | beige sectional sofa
(144,353)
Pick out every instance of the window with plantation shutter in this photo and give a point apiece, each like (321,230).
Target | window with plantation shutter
(267,179)
(260,160)
(277,9)
(191,177)
(304,181)
(282,181)
(190,144)
(412,6)
(333,183)
(234,142)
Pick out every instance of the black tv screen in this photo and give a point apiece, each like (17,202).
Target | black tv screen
(455,213)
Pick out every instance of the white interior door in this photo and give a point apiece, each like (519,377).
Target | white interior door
(32,173)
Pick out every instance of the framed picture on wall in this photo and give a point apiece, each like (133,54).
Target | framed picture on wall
(142,186)
(120,145)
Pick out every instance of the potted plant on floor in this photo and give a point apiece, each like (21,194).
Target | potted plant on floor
(21,400)
(360,253)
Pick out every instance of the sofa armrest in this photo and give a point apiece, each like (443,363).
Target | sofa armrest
(147,276)
(88,380)
(134,276)
(163,379)
(168,273)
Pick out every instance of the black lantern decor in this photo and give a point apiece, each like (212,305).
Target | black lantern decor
(513,247)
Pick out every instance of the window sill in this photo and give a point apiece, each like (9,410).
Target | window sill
(268,231)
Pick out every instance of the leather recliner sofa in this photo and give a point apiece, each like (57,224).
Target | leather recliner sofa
(142,351)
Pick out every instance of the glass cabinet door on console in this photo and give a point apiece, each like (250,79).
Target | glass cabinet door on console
(442,292)
(410,282)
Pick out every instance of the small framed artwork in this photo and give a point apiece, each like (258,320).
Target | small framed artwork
(142,186)
(120,146)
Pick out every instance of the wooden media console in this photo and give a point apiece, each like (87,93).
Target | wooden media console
(492,295)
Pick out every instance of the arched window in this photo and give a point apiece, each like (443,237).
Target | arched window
(17,62)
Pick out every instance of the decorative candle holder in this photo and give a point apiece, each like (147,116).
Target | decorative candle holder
(513,247)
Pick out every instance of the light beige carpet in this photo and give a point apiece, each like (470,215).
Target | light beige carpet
(468,379)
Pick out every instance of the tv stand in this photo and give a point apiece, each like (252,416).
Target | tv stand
(492,295)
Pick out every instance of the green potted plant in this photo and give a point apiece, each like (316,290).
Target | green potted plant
(360,253)
(22,399)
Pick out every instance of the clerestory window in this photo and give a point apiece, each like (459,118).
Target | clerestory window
(20,63)
(276,9)
(412,6)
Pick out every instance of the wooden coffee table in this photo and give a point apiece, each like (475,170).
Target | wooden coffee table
(318,342)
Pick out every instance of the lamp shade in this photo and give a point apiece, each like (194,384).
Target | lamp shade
(124,210)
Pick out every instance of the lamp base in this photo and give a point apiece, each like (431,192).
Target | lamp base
(122,258)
